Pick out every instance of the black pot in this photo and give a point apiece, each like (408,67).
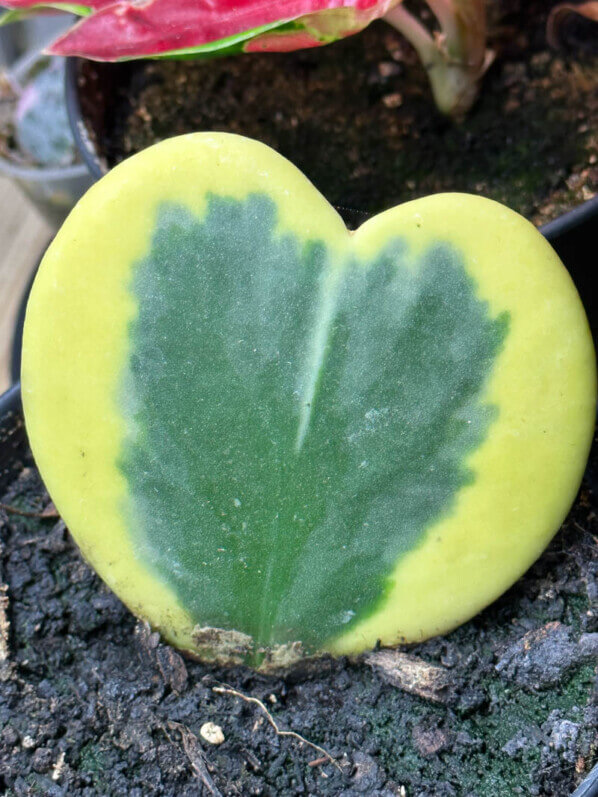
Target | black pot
(91,104)
(14,449)
(589,788)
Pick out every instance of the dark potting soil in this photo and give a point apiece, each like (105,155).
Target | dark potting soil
(92,703)
(357,116)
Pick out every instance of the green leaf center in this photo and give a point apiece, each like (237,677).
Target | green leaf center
(296,424)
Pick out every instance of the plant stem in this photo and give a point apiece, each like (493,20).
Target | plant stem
(413,30)
(456,58)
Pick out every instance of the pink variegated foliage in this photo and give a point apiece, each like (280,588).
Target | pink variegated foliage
(112,31)
(453,51)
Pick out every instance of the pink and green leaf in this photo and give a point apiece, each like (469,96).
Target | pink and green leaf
(24,9)
(455,56)
(115,31)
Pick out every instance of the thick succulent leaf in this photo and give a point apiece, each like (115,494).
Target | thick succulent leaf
(201,27)
(263,430)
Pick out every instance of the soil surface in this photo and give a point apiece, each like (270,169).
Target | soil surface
(92,703)
(357,116)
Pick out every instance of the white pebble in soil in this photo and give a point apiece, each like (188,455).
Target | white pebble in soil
(211,733)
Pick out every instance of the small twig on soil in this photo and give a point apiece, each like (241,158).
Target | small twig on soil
(48,512)
(195,755)
(227,690)
(317,762)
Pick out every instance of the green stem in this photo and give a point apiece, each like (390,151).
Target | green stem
(413,30)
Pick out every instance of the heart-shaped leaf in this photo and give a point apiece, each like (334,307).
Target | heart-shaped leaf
(265,431)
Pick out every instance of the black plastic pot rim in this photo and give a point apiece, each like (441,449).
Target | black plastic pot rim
(10,401)
(78,127)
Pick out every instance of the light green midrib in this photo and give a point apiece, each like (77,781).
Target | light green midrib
(328,298)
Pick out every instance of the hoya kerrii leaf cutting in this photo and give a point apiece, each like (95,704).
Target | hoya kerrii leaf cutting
(273,437)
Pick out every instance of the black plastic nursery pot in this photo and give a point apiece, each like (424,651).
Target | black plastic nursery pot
(13,441)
